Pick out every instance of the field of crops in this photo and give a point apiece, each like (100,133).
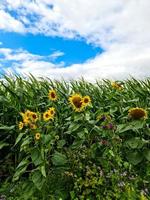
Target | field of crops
(74,140)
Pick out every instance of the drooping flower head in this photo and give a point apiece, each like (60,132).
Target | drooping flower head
(52,95)
(137,113)
(104,117)
(116,86)
(33,126)
(76,102)
(110,126)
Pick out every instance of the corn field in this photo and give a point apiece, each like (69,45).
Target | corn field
(74,140)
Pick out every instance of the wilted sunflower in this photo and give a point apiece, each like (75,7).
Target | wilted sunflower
(37,136)
(77,103)
(116,86)
(137,113)
(104,117)
(21,124)
(52,95)
(33,126)
(86,100)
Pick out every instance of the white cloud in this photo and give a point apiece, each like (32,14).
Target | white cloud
(113,64)
(8,23)
(122,28)
(56,54)
(24,62)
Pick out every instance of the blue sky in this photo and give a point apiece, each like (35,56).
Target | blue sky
(75,38)
(74,51)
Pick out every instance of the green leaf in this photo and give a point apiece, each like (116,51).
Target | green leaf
(38,179)
(47,139)
(137,124)
(3,144)
(61,143)
(36,157)
(19,172)
(78,117)
(87,116)
(73,127)
(21,168)
(7,128)
(97,129)
(19,137)
(123,127)
(135,142)
(59,159)
(26,141)
(24,162)
(147,154)
(113,110)
(134,125)
(134,157)
(76,144)
(42,169)
(81,135)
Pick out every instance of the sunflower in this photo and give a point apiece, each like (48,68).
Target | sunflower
(116,86)
(26,117)
(33,116)
(52,95)
(137,113)
(33,126)
(21,124)
(76,102)
(47,115)
(37,136)
(26,121)
(51,111)
(86,100)
(28,113)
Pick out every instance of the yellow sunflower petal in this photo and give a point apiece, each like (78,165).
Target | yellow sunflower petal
(21,125)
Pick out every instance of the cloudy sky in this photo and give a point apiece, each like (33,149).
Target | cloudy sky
(73,38)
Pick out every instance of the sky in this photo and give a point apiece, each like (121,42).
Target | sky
(71,39)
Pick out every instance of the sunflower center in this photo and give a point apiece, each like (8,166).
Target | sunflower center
(53,95)
(86,100)
(77,102)
(137,114)
(34,116)
(47,115)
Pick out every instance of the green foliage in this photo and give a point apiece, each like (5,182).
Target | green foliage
(99,153)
